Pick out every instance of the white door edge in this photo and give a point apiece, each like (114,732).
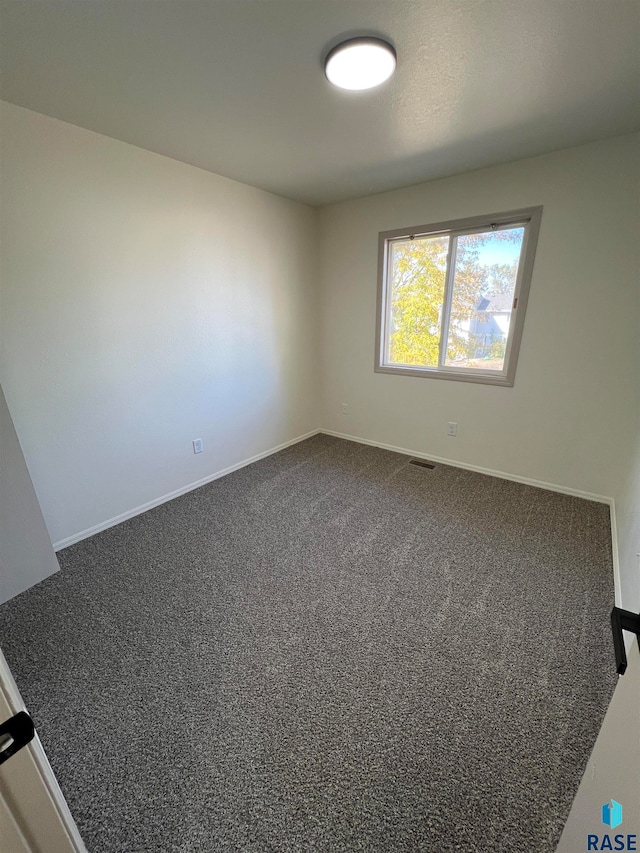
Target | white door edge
(11,694)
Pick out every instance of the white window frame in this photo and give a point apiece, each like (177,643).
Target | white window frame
(528,218)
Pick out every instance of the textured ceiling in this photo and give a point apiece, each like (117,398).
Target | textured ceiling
(237,87)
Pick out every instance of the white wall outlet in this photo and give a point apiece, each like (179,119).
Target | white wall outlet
(452,428)
(345,409)
(197,445)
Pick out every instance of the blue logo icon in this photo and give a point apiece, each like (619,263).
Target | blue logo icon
(612,814)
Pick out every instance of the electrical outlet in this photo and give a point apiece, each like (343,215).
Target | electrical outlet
(345,409)
(452,428)
(197,445)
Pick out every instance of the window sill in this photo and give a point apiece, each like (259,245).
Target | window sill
(457,376)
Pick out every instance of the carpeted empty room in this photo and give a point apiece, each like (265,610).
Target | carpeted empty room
(319,426)
(331,649)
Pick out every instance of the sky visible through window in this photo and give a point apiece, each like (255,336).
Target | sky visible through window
(499,252)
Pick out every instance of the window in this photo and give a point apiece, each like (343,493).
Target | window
(452,297)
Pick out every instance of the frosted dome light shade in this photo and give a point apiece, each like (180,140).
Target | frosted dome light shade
(360,64)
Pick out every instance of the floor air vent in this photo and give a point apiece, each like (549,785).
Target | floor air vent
(421,463)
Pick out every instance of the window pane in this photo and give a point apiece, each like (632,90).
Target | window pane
(486,268)
(417,271)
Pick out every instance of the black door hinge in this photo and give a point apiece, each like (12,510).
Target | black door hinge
(15,733)
(623,620)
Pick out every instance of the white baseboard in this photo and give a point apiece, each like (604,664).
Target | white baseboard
(516,478)
(138,510)
(528,481)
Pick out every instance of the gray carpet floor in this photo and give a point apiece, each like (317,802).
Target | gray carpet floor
(328,650)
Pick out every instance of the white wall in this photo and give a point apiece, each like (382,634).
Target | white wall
(26,555)
(571,417)
(145,303)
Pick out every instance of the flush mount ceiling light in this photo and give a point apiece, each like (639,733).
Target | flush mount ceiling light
(360,63)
